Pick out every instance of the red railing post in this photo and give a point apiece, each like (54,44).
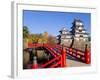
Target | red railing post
(64,57)
(35,64)
(61,61)
(87,56)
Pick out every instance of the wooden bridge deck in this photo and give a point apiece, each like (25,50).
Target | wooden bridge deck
(73,63)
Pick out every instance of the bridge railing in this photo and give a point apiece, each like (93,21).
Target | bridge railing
(54,62)
(84,56)
(32,45)
(60,58)
(51,49)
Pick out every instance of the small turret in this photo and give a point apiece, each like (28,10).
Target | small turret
(65,37)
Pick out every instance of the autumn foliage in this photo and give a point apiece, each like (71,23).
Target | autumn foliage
(38,38)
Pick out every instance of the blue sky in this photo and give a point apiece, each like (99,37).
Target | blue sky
(52,22)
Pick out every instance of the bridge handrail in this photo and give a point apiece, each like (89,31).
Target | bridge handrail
(51,61)
(50,49)
(81,53)
(54,65)
(72,51)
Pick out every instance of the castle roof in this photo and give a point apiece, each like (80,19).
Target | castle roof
(77,20)
(64,29)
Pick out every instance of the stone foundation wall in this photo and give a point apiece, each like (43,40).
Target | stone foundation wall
(66,43)
(81,45)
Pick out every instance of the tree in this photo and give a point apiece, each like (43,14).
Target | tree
(45,35)
(25,37)
(52,40)
(25,32)
(44,40)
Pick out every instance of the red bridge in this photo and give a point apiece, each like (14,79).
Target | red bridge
(59,54)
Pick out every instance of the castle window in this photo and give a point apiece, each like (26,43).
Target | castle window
(80,30)
(81,35)
(64,32)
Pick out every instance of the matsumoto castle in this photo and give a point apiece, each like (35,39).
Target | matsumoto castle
(76,35)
